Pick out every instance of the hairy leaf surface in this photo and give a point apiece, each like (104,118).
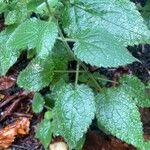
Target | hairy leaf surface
(136,90)
(119,115)
(119,17)
(34,33)
(100,48)
(8,56)
(37,75)
(73,112)
(44,132)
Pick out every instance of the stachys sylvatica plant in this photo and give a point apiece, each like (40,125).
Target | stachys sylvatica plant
(89,33)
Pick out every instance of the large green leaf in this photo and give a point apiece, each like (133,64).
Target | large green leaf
(8,56)
(34,33)
(100,48)
(119,115)
(119,17)
(136,89)
(44,132)
(37,75)
(73,112)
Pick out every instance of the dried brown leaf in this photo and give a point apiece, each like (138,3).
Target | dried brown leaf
(6,82)
(9,133)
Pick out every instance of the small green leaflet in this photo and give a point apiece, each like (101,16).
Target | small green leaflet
(8,56)
(11,17)
(38,103)
(38,74)
(119,115)
(100,48)
(73,112)
(34,33)
(119,17)
(44,132)
(136,89)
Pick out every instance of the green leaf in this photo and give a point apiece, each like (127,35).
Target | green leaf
(146,13)
(8,56)
(48,115)
(44,132)
(119,115)
(73,112)
(16,12)
(100,48)
(146,146)
(37,75)
(38,103)
(136,90)
(120,18)
(61,57)
(81,143)
(3,6)
(34,33)
(11,17)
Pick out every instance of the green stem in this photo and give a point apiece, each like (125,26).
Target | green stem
(49,9)
(71,52)
(48,107)
(107,80)
(77,73)
(66,39)
(68,71)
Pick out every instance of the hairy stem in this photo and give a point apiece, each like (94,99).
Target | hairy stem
(77,73)
(48,8)
(82,64)
(71,52)
(66,39)
(68,71)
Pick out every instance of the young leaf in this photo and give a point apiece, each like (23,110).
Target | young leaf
(11,17)
(44,132)
(100,48)
(73,112)
(119,115)
(61,57)
(34,33)
(136,90)
(119,18)
(38,103)
(37,75)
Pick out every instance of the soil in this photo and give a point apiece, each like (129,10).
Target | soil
(95,139)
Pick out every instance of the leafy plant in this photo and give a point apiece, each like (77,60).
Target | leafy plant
(95,33)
